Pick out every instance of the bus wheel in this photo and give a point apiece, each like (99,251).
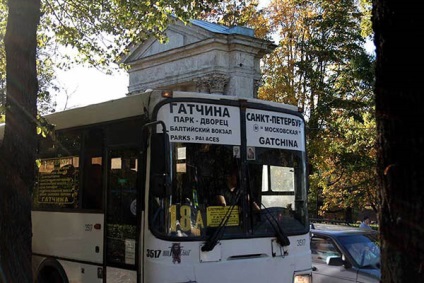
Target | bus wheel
(51,274)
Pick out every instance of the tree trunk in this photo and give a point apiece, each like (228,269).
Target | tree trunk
(400,114)
(17,152)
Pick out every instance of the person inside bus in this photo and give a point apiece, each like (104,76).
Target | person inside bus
(228,194)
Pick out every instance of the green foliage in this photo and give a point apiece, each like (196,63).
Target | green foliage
(240,13)
(99,33)
(322,67)
(366,24)
(43,127)
(345,169)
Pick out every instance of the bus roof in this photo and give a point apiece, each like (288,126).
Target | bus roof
(129,106)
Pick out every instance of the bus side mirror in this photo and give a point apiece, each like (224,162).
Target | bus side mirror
(337,261)
(159,171)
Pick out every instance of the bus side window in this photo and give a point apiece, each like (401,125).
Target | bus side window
(92,198)
(57,185)
(92,189)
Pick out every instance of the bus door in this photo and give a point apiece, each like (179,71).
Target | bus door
(121,239)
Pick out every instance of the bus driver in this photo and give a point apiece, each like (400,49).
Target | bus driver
(229,194)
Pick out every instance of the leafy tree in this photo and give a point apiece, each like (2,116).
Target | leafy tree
(100,32)
(399,114)
(280,67)
(365,7)
(321,66)
(347,172)
(240,13)
(345,162)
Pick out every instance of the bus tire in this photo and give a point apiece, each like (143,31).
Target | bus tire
(51,271)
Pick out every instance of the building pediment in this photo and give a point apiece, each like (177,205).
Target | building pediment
(178,34)
(197,57)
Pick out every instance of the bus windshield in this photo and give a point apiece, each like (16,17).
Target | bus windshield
(239,187)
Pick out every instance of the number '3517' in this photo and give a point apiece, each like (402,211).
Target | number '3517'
(153,253)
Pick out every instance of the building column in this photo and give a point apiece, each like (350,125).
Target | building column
(214,83)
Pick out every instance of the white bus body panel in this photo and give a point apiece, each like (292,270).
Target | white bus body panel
(230,261)
(68,235)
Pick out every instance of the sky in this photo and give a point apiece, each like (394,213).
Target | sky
(84,86)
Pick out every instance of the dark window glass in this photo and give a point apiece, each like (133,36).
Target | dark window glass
(121,212)
(363,249)
(92,197)
(58,172)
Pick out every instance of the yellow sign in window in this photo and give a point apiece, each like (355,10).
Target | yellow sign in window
(215,214)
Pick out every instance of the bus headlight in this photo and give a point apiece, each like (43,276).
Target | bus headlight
(302,278)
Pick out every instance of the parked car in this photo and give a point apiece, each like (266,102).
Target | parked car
(344,254)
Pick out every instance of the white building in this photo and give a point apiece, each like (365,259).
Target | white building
(200,56)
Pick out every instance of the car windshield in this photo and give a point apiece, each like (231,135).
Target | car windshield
(363,249)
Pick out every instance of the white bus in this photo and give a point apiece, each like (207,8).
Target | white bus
(127,191)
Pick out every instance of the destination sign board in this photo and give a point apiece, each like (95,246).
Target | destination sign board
(274,129)
(201,122)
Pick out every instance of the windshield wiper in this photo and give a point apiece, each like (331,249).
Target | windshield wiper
(213,240)
(282,238)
